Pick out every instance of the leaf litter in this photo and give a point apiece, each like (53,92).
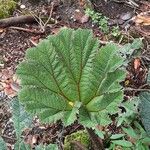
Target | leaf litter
(9,84)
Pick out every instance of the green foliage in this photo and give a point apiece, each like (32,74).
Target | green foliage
(2,144)
(131,112)
(67,74)
(130,50)
(22,120)
(123,143)
(99,19)
(6,7)
(145,110)
(134,138)
(48,147)
(20,145)
(141,139)
(133,129)
(116,136)
(115,31)
(80,136)
(20,117)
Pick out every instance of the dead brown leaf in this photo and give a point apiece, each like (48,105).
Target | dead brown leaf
(81,3)
(31,140)
(55,30)
(1,30)
(142,19)
(84,19)
(137,63)
(9,82)
(80,16)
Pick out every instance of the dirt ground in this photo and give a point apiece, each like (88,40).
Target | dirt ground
(14,43)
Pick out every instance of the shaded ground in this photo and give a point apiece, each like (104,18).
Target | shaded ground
(13,44)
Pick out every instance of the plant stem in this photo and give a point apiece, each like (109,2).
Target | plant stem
(97,143)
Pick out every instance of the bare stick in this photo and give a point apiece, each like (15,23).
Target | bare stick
(26,30)
(140,90)
(16,20)
(12,21)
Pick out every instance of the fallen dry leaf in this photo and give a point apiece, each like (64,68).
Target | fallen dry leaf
(137,63)
(55,30)
(1,30)
(9,82)
(9,91)
(84,19)
(82,2)
(142,19)
(6,74)
(31,140)
(80,17)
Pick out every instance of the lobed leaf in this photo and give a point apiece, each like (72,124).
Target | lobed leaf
(67,74)
(3,145)
(20,117)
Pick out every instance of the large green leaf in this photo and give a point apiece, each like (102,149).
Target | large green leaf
(144,107)
(2,144)
(20,117)
(69,68)
(20,145)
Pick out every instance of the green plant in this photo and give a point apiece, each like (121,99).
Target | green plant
(134,134)
(6,7)
(145,110)
(48,147)
(130,113)
(99,19)
(21,120)
(140,138)
(115,31)
(131,138)
(80,136)
(3,145)
(67,75)
(138,135)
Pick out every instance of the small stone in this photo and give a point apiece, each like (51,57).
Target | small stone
(22,6)
(84,19)
(126,16)
(113,22)
(120,22)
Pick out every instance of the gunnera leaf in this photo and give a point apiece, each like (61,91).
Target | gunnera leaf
(68,74)
(20,117)
(144,107)
(2,144)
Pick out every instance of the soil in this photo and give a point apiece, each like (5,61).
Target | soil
(112,9)
(14,43)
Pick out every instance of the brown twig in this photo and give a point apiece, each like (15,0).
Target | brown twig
(27,30)
(139,90)
(16,20)
(12,21)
